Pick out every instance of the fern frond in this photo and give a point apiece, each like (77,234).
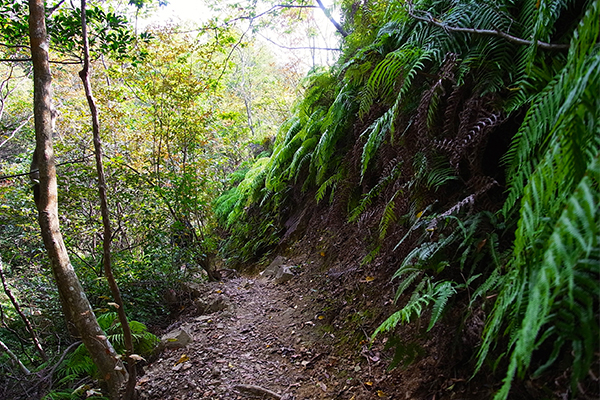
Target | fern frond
(388,217)
(377,131)
(330,183)
(441,293)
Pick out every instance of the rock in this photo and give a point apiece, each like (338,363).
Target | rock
(272,269)
(194,289)
(176,339)
(284,274)
(277,271)
(211,304)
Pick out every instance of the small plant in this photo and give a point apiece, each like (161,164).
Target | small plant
(79,363)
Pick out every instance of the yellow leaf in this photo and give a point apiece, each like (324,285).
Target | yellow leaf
(381,393)
(419,214)
(370,278)
(183,359)
(369,383)
(322,254)
(321,317)
(219,291)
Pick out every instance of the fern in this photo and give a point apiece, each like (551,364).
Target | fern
(554,161)
(426,294)
(368,198)
(388,217)
(412,61)
(330,183)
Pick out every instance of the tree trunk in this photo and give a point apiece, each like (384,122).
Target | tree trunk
(75,302)
(107,234)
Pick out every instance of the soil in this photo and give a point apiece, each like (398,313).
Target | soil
(307,338)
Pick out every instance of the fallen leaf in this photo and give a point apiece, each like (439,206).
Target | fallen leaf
(219,291)
(381,393)
(321,317)
(182,359)
(322,386)
(419,214)
(115,305)
(369,383)
(370,278)
(322,254)
(481,244)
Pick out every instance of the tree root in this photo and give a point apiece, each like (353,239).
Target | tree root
(256,391)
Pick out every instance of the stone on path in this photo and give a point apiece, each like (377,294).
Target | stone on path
(176,339)
(277,271)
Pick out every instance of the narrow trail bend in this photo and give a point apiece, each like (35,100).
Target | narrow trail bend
(265,343)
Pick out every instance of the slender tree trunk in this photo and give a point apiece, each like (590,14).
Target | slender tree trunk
(107,237)
(34,337)
(70,290)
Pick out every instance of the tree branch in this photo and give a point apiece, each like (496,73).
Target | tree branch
(28,326)
(16,130)
(300,48)
(487,32)
(14,358)
(63,62)
(50,11)
(5,177)
(14,46)
(339,28)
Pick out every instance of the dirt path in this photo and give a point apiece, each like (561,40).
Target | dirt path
(269,341)
(263,339)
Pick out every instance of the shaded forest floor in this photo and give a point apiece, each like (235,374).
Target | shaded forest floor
(303,339)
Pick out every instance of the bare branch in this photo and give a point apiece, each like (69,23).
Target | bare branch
(50,11)
(63,62)
(339,28)
(487,32)
(78,160)
(301,47)
(14,46)
(16,306)
(16,130)
(14,59)
(14,358)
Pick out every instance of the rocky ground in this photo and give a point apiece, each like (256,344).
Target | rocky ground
(255,338)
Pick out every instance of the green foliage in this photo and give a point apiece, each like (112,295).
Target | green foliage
(79,363)
(464,244)
(555,169)
(405,353)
